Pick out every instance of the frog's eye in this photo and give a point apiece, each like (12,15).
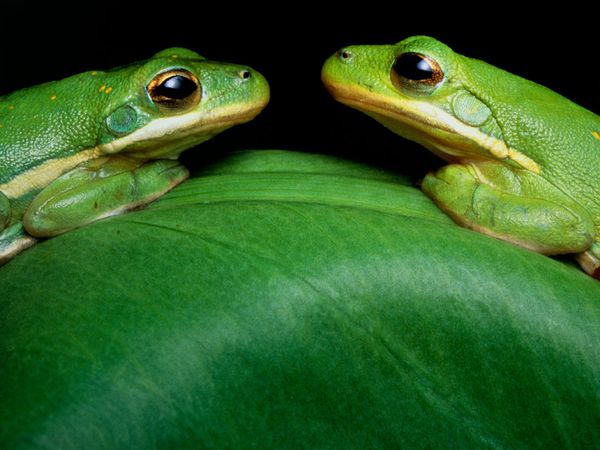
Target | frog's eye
(416,71)
(175,90)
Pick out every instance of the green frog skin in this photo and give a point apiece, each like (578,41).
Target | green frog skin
(524,162)
(101,143)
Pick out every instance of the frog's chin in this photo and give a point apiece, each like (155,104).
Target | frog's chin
(415,120)
(167,137)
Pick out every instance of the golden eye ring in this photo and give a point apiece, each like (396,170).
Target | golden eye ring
(417,71)
(175,90)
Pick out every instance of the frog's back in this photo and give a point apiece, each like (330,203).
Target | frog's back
(562,137)
(52,120)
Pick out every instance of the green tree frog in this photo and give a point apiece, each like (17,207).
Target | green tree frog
(524,161)
(101,143)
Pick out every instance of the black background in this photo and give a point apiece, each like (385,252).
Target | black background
(288,43)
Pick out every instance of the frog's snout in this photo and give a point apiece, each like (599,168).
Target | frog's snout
(254,83)
(336,67)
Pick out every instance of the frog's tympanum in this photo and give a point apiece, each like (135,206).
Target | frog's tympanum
(524,161)
(101,143)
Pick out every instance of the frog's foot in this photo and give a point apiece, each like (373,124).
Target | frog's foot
(14,240)
(513,205)
(590,260)
(101,188)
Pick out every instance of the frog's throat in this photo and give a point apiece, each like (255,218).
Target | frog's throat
(192,128)
(174,128)
(423,117)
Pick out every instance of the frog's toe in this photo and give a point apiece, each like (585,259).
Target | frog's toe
(4,211)
(590,260)
(13,241)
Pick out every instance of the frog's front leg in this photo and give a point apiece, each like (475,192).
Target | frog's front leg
(511,204)
(101,188)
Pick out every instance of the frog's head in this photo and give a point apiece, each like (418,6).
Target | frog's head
(420,89)
(175,100)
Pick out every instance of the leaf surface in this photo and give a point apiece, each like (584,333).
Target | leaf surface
(284,300)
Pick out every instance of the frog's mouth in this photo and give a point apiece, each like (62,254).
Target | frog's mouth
(429,125)
(167,137)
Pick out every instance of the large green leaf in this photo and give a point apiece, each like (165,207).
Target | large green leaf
(283,300)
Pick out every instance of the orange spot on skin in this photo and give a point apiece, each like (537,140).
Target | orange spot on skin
(53,97)
(94,73)
(102,88)
(108,90)
(11,107)
(596,135)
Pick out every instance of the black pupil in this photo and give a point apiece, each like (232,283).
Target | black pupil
(176,87)
(414,67)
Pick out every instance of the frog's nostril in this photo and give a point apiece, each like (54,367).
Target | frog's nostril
(245,74)
(344,54)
